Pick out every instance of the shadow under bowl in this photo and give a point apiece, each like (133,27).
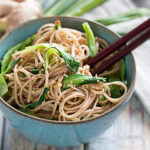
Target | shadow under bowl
(58,133)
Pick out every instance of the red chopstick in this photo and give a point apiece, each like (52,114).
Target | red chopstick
(126,50)
(136,37)
(116,45)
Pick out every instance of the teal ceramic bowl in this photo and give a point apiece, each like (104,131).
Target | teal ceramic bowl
(69,133)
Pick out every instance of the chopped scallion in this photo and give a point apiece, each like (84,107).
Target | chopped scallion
(35,70)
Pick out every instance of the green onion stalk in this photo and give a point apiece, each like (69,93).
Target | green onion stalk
(58,7)
(81,7)
(91,39)
(125,16)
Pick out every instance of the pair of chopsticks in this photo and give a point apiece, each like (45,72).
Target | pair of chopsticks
(129,42)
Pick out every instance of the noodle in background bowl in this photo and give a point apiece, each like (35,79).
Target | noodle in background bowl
(61,133)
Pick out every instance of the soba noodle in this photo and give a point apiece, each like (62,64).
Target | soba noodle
(72,104)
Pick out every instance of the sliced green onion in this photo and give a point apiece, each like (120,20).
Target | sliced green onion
(7,57)
(36,104)
(3,86)
(70,61)
(49,52)
(7,64)
(101,99)
(11,65)
(23,75)
(115,91)
(35,70)
(42,71)
(91,39)
(57,25)
(80,79)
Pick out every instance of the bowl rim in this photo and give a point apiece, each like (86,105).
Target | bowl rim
(81,121)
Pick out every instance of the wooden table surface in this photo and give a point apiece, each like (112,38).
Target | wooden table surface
(130,132)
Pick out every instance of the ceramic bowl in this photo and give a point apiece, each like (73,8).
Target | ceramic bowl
(69,133)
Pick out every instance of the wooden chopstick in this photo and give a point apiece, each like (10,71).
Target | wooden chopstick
(119,43)
(125,51)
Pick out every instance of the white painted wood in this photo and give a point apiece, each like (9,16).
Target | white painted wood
(146,130)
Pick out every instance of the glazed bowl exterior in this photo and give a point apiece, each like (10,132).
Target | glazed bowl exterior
(57,133)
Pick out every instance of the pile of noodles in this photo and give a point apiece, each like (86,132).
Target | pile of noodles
(75,103)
